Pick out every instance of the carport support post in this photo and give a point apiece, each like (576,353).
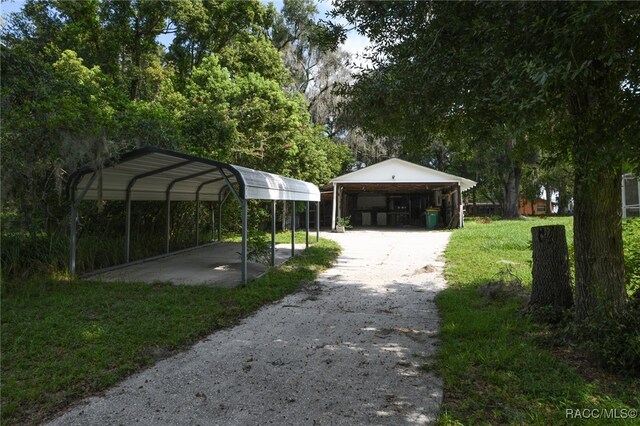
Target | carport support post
(72,238)
(307,230)
(293,228)
(273,233)
(168,226)
(220,220)
(317,221)
(73,222)
(197,219)
(213,222)
(333,208)
(127,229)
(244,242)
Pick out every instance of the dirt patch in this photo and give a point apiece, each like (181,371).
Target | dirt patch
(500,290)
(313,290)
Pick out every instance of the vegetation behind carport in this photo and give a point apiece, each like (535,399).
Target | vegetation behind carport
(63,340)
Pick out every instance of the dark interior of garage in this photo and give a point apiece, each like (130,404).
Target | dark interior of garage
(395,206)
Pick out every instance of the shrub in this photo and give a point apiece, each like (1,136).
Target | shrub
(614,340)
(259,247)
(631,241)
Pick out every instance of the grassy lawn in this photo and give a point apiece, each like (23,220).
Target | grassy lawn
(497,365)
(62,341)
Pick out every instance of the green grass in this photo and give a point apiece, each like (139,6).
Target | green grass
(496,364)
(281,237)
(65,340)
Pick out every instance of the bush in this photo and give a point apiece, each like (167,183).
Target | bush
(614,340)
(631,241)
(259,247)
(23,255)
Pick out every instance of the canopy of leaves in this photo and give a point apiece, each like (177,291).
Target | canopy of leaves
(437,64)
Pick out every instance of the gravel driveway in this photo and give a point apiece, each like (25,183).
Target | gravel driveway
(346,350)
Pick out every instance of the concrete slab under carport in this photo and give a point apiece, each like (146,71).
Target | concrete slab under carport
(216,265)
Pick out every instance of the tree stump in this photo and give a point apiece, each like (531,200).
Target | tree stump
(551,276)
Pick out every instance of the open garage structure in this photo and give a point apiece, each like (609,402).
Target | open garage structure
(396,193)
(155,174)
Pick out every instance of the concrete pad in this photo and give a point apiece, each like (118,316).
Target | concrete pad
(217,265)
(345,350)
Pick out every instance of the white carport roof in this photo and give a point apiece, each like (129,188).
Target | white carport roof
(395,170)
(150,173)
(158,174)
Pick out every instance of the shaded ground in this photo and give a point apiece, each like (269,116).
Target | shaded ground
(346,350)
(216,265)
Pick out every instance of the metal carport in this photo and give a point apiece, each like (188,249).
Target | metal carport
(156,174)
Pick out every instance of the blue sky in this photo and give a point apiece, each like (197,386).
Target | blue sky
(355,43)
(8,6)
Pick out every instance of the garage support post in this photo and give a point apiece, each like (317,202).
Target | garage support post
(244,242)
(333,208)
(317,221)
(273,233)
(460,208)
(293,228)
(624,198)
(339,203)
(307,223)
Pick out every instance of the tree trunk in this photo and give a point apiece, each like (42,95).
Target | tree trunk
(597,223)
(597,242)
(511,182)
(547,204)
(511,193)
(551,276)
(563,200)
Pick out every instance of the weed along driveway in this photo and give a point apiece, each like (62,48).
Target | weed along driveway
(348,349)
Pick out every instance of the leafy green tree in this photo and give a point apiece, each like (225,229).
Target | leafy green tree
(203,27)
(245,118)
(55,117)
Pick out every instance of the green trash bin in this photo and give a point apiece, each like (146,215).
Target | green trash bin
(432,218)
